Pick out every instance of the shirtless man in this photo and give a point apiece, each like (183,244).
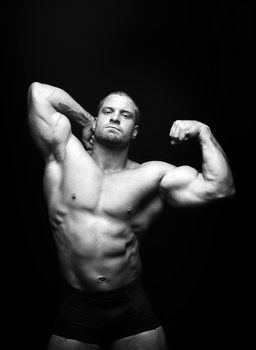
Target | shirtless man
(99,203)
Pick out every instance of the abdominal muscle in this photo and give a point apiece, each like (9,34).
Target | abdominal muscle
(97,252)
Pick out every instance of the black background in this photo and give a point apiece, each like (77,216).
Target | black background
(179,60)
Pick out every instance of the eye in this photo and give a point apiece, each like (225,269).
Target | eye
(127,115)
(106,111)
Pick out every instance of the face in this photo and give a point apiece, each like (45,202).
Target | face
(116,121)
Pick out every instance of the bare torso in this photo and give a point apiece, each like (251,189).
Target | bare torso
(97,217)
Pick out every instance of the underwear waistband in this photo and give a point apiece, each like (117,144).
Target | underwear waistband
(115,296)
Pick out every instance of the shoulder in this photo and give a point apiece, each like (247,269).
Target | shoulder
(169,173)
(149,166)
(157,166)
(153,169)
(130,165)
(162,170)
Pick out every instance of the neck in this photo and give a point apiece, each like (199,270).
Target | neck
(109,159)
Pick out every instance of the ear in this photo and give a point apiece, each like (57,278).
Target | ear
(94,124)
(135,131)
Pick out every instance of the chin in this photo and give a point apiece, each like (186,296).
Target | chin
(116,142)
(111,138)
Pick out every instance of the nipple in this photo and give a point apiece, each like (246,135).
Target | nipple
(129,210)
(73,196)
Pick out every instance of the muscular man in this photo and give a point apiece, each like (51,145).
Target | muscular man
(99,203)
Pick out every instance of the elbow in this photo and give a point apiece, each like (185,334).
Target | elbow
(34,85)
(226,190)
(39,92)
(230,188)
(34,89)
(231,191)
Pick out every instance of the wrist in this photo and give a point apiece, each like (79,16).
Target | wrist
(204,132)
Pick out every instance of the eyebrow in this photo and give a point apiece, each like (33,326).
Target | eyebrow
(121,110)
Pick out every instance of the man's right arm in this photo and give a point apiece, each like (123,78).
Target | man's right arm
(50,111)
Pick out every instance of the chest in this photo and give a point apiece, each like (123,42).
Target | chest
(125,194)
(122,194)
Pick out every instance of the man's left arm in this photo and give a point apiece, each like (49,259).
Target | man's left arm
(185,185)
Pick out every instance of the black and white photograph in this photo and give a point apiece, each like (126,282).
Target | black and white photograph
(122,125)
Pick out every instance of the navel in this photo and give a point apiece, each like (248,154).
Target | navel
(101,279)
(129,210)
(73,196)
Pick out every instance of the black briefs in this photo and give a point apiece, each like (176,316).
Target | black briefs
(103,317)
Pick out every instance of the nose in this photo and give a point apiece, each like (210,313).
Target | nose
(115,117)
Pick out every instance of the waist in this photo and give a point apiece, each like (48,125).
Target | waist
(103,298)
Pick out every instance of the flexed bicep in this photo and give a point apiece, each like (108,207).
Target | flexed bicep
(184,186)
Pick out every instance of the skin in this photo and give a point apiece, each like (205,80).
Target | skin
(100,202)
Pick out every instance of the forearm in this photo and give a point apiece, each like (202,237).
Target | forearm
(62,102)
(215,168)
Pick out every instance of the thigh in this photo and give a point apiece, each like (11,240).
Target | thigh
(150,340)
(59,343)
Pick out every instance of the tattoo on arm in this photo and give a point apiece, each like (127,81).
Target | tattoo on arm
(213,141)
(82,118)
(218,146)
(215,167)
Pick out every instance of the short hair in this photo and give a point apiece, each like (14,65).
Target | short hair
(121,93)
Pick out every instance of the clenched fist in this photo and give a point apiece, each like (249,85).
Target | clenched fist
(88,136)
(183,130)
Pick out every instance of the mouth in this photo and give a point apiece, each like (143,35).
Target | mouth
(112,127)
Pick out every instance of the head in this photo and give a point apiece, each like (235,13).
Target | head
(117,120)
